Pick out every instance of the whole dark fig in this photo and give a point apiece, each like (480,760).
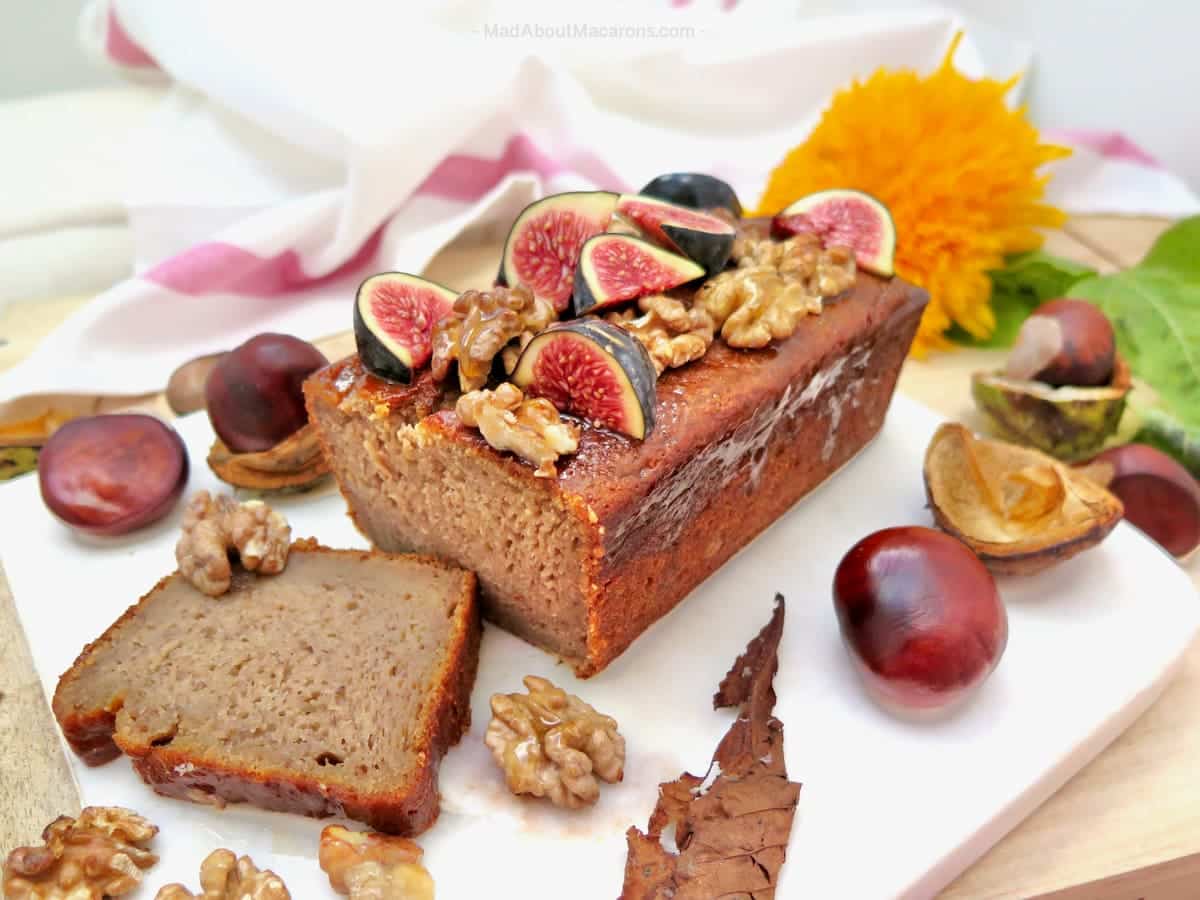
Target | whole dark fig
(254,395)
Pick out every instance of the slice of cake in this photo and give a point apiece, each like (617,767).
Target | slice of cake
(332,688)
(583,562)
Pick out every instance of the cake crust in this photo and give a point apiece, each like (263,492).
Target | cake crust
(741,436)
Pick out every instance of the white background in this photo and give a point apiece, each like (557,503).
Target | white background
(1110,64)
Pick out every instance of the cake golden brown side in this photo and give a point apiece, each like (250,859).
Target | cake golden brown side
(583,563)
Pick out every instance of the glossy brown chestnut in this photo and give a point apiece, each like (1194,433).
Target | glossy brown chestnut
(254,395)
(921,617)
(1161,497)
(1064,342)
(112,474)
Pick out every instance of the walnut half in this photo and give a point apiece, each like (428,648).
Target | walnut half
(367,865)
(100,854)
(551,744)
(223,876)
(483,325)
(531,428)
(775,285)
(673,333)
(213,526)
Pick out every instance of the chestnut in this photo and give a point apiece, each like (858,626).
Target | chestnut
(1064,342)
(254,395)
(112,474)
(921,617)
(1161,497)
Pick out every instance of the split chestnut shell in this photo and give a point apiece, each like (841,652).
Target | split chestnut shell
(1020,510)
(1070,423)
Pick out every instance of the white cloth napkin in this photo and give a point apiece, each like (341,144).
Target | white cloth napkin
(301,147)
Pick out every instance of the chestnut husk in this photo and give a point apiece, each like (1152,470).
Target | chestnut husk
(1069,423)
(295,463)
(968,502)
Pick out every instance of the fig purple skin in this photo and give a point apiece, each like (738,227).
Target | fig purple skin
(112,474)
(705,239)
(254,395)
(695,190)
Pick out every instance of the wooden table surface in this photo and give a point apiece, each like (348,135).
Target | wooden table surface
(1127,827)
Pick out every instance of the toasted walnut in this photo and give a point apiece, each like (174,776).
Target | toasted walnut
(672,332)
(223,876)
(775,285)
(213,526)
(551,744)
(532,428)
(756,306)
(100,854)
(482,325)
(372,866)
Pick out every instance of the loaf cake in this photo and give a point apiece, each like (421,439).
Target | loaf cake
(330,689)
(583,562)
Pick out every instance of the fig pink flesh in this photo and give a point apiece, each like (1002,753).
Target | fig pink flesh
(408,312)
(578,379)
(625,271)
(840,222)
(547,251)
(651,216)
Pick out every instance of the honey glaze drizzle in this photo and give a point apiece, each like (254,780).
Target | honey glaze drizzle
(683,495)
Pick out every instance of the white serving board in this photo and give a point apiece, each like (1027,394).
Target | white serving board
(888,809)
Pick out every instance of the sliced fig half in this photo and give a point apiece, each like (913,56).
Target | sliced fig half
(705,239)
(845,218)
(694,190)
(543,244)
(614,268)
(394,315)
(592,369)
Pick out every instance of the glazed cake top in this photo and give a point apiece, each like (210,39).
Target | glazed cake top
(698,405)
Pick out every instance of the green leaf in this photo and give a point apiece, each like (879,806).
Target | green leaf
(1026,281)
(1039,274)
(1155,311)
(1160,429)
(1177,250)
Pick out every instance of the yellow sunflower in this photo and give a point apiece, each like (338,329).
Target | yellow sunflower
(957,168)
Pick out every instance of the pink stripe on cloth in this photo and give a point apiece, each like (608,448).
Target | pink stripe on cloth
(467,178)
(122,48)
(1110,144)
(218,267)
